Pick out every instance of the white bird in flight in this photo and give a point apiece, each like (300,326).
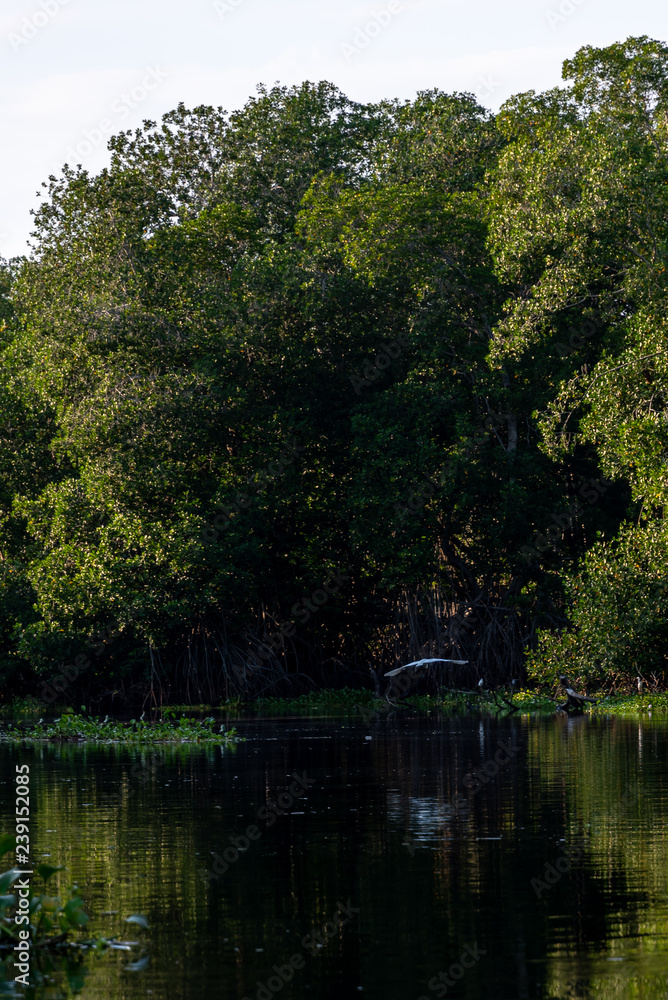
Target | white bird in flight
(423,663)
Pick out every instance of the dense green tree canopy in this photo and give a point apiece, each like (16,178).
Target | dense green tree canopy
(316,384)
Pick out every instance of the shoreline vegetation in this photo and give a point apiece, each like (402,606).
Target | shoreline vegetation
(73,728)
(164,729)
(523,701)
(320,384)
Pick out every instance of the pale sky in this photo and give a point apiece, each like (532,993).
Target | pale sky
(74,72)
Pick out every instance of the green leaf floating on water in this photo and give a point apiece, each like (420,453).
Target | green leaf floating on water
(7,843)
(46,871)
(138,919)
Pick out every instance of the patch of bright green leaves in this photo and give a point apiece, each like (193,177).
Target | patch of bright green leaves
(138,732)
(51,917)
(655,702)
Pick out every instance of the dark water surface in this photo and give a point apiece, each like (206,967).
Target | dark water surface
(403,862)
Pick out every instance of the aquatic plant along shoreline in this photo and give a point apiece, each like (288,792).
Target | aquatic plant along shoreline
(77,728)
(347,702)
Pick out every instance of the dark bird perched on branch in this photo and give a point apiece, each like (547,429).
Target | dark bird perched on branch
(574,700)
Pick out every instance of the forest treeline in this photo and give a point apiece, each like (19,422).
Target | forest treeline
(311,387)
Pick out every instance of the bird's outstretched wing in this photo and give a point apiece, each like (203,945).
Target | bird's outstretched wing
(423,663)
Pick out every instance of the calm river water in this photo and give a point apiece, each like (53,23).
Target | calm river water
(413,858)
